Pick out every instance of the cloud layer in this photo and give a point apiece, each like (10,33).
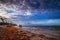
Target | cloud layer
(26,11)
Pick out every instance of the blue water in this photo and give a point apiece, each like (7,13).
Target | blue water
(47,27)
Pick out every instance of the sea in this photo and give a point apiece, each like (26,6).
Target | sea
(49,31)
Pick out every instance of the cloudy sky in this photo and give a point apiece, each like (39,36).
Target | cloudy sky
(46,12)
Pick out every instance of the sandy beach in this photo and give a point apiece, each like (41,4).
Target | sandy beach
(14,33)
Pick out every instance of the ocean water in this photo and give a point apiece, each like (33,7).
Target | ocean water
(53,32)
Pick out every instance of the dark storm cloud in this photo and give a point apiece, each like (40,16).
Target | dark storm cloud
(33,3)
(52,4)
(36,4)
(11,1)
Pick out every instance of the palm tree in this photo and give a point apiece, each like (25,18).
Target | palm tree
(1,18)
(5,21)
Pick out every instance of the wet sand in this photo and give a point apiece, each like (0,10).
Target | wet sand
(46,32)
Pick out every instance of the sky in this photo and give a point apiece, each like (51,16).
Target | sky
(42,12)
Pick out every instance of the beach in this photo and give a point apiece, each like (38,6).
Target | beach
(14,33)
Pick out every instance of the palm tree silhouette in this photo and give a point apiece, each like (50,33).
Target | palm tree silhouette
(4,21)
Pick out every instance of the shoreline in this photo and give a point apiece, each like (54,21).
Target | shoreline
(46,32)
(20,34)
